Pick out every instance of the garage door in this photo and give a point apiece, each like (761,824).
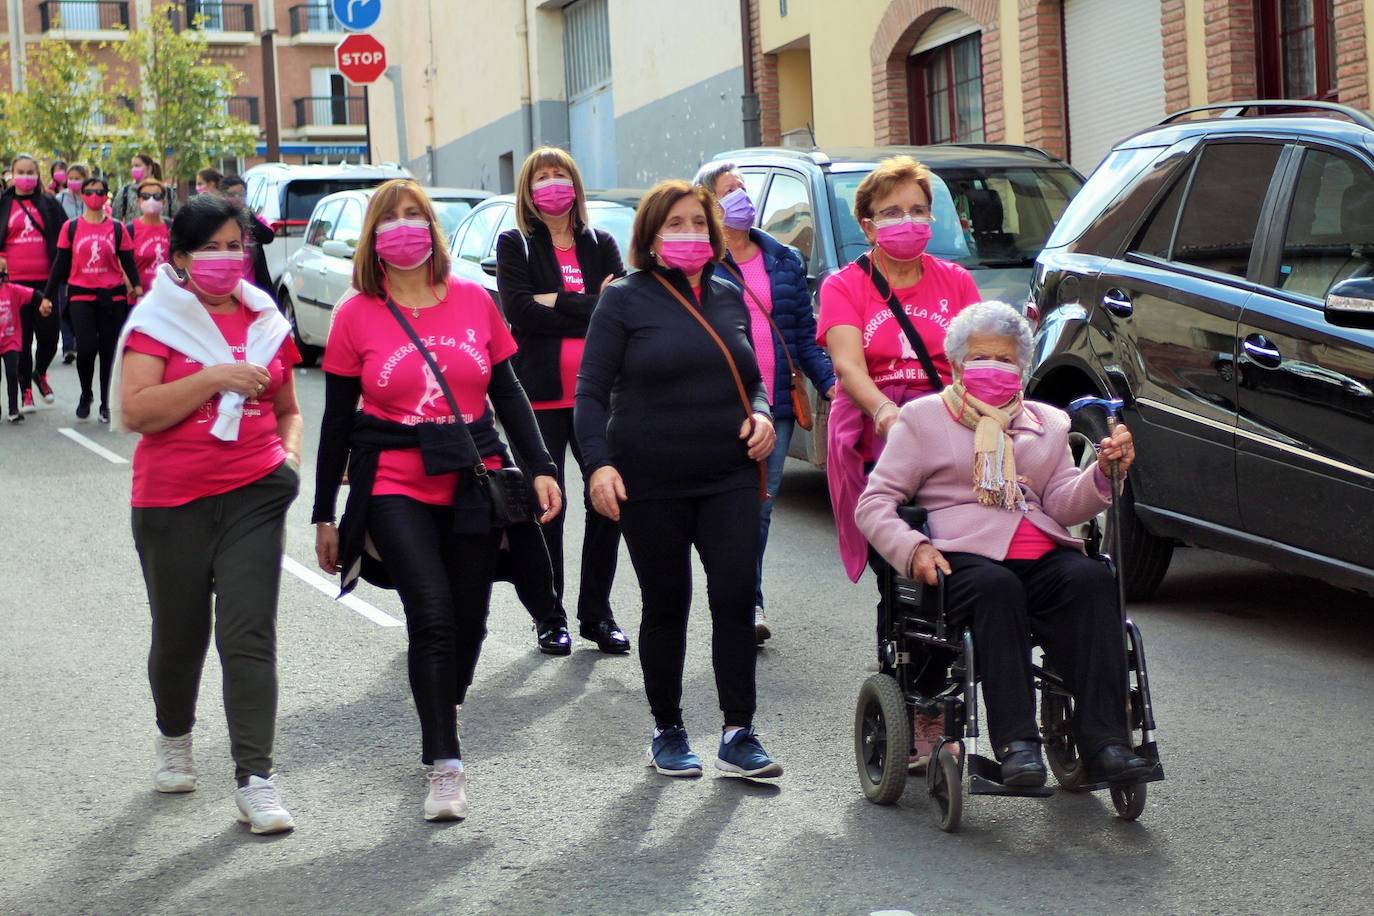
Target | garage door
(1115,89)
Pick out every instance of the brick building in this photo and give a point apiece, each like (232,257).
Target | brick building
(321,118)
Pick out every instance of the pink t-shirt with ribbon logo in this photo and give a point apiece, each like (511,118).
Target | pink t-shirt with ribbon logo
(26,249)
(152,245)
(95,263)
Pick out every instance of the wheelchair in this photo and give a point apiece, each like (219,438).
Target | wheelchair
(912,614)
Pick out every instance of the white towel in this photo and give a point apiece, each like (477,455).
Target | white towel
(173,315)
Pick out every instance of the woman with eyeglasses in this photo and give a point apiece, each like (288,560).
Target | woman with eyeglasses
(95,258)
(150,233)
(880,367)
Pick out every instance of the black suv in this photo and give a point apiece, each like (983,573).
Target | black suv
(1217,275)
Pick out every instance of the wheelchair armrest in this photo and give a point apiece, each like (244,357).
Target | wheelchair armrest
(914,516)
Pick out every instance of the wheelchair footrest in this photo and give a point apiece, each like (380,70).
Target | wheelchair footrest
(985,779)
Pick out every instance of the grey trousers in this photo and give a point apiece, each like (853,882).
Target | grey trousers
(228,548)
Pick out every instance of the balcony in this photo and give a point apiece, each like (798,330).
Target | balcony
(243,108)
(222,23)
(84,19)
(314,23)
(330,116)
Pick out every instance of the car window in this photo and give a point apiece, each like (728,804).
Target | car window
(476,238)
(1158,233)
(507,222)
(348,227)
(322,223)
(1110,177)
(303,194)
(254,193)
(617,219)
(1216,230)
(788,215)
(1330,231)
(451,211)
(753,183)
(1007,213)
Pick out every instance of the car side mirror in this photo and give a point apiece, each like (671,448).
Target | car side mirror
(489,266)
(1351,302)
(337,249)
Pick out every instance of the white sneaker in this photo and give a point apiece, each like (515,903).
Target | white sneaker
(260,808)
(176,771)
(761,631)
(448,796)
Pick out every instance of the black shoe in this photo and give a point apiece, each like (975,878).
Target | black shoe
(554,638)
(1117,763)
(607,635)
(83,407)
(104,414)
(1022,765)
(68,357)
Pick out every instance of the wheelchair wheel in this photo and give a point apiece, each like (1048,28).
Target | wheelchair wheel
(946,785)
(1129,801)
(882,739)
(1056,728)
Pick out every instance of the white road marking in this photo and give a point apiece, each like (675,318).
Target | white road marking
(324,586)
(100,450)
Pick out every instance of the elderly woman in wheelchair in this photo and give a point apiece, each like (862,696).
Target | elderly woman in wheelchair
(997,479)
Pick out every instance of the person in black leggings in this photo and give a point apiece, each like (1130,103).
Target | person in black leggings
(674,457)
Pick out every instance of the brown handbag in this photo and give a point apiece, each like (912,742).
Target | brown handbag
(734,372)
(801,404)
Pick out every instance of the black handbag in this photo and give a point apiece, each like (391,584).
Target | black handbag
(443,447)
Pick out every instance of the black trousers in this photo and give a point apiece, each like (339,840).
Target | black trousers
(444,580)
(35,327)
(10,363)
(660,534)
(524,562)
(97,327)
(1067,602)
(601,536)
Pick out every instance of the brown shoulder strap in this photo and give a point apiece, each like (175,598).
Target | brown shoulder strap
(739,275)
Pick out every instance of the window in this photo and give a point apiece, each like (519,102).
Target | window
(1006,214)
(1330,232)
(1297,49)
(947,93)
(349,226)
(753,183)
(1158,233)
(321,225)
(787,215)
(475,240)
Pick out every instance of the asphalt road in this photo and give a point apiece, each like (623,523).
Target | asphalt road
(1263,685)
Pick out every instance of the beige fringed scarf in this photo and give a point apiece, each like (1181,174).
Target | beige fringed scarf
(994,462)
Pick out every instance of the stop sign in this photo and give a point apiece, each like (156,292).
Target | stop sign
(361,58)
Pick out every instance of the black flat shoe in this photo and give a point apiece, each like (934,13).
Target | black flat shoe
(1118,763)
(607,635)
(1022,765)
(83,407)
(554,638)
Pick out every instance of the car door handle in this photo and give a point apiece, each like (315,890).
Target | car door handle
(1118,302)
(1263,351)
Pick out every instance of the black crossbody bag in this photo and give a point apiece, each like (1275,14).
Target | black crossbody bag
(443,446)
(917,344)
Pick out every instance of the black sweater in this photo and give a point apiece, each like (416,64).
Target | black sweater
(538,329)
(655,398)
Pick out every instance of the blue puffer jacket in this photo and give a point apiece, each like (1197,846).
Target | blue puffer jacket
(795,318)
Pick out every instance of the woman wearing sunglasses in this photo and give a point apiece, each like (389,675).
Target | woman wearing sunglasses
(149,232)
(94,257)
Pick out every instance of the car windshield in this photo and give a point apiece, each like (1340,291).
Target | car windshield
(984,217)
(617,219)
(451,211)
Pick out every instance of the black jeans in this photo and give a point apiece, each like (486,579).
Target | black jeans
(660,534)
(601,536)
(524,562)
(1067,602)
(97,327)
(444,580)
(34,326)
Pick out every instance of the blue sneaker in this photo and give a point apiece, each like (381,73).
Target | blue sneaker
(671,755)
(745,756)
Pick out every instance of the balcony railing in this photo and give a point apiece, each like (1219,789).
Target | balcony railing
(313,17)
(330,111)
(83,15)
(212,16)
(243,108)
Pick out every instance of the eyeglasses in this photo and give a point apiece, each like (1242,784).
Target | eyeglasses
(150,195)
(919,213)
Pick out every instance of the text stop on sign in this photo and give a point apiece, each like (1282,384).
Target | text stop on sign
(361,59)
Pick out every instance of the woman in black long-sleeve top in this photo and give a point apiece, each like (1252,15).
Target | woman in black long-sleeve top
(550,271)
(674,456)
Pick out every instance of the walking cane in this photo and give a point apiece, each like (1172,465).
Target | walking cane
(1111,406)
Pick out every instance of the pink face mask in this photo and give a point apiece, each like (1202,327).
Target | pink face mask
(554,196)
(992,382)
(25,183)
(59,177)
(95,201)
(902,239)
(687,251)
(150,207)
(74,185)
(405,244)
(216,273)
(137,172)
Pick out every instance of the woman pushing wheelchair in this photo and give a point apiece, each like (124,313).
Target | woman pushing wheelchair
(997,478)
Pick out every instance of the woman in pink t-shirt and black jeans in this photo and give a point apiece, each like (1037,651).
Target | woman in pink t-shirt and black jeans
(414,496)
(30,222)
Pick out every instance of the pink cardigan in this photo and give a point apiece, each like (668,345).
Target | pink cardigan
(929,457)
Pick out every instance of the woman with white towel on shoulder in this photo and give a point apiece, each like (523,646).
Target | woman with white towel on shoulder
(205,374)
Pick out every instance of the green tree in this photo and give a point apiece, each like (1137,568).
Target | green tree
(185,117)
(66,103)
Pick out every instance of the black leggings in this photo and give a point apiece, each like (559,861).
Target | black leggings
(36,327)
(10,363)
(1067,602)
(444,580)
(97,327)
(660,534)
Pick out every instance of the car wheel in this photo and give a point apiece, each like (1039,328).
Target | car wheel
(310,355)
(1145,557)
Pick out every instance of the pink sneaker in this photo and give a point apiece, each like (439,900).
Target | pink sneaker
(926,732)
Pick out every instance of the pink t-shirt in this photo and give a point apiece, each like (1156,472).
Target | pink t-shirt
(848,298)
(95,264)
(13,297)
(570,355)
(184,462)
(25,247)
(760,331)
(466,335)
(152,244)
(1029,542)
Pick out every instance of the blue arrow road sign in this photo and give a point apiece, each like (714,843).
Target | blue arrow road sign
(357,15)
